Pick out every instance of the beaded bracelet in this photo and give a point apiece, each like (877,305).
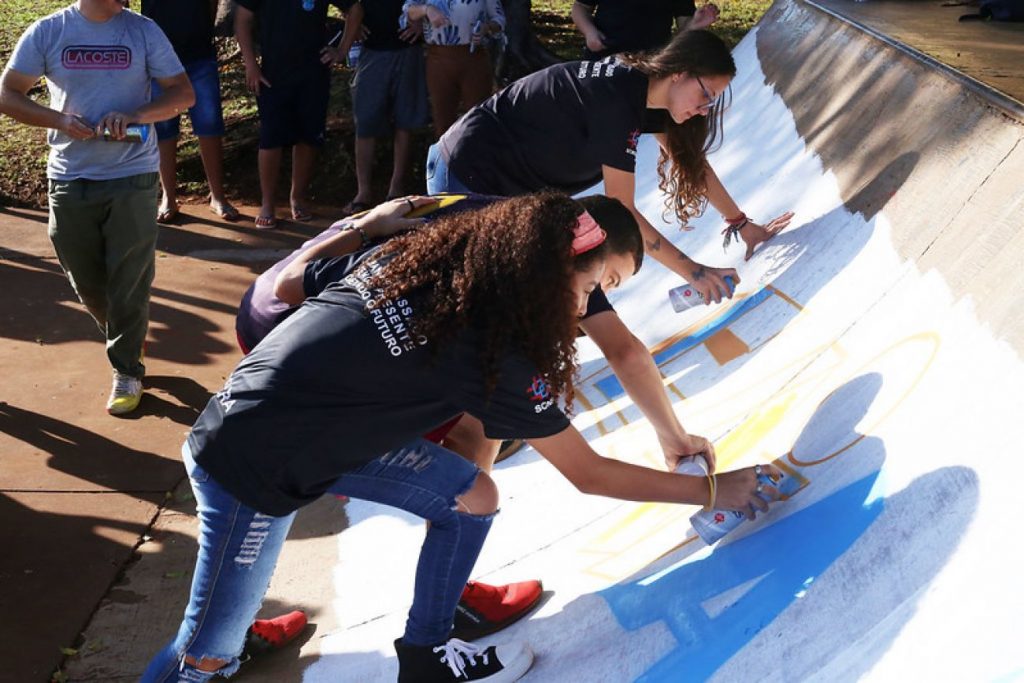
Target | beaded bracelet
(364,239)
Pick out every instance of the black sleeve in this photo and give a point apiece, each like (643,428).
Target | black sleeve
(597,303)
(323,272)
(251,5)
(346,5)
(683,8)
(520,406)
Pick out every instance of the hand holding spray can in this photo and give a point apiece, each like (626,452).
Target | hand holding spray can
(475,37)
(712,525)
(687,296)
(133,132)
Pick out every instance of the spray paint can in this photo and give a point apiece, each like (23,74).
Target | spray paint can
(133,132)
(477,29)
(353,54)
(686,296)
(712,525)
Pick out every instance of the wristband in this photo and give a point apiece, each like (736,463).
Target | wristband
(713,491)
(732,230)
(364,239)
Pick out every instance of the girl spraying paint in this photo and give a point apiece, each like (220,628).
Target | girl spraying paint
(323,405)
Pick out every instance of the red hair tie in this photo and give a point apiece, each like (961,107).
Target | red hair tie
(587,234)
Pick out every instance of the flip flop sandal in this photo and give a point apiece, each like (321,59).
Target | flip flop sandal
(302,215)
(265,222)
(166,215)
(354,208)
(225,211)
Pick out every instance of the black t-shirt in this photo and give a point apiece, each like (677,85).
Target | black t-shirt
(188,24)
(291,37)
(630,25)
(554,129)
(381,18)
(337,385)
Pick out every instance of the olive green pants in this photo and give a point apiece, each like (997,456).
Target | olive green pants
(104,232)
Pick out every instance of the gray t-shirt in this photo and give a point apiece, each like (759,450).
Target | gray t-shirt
(91,69)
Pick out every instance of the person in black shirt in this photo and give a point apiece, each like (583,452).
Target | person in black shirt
(611,26)
(389,92)
(291,81)
(572,125)
(188,24)
(478,315)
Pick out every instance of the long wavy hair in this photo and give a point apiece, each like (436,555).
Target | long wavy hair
(682,166)
(504,270)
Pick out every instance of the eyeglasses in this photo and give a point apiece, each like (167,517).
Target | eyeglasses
(711,101)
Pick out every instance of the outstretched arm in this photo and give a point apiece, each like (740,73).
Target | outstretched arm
(710,282)
(382,221)
(633,365)
(591,473)
(750,232)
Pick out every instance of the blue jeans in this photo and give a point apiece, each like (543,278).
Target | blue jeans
(439,178)
(239,547)
(207,114)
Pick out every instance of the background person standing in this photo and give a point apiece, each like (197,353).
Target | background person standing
(188,24)
(291,80)
(99,59)
(611,26)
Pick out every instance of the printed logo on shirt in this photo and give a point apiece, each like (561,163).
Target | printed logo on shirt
(594,69)
(632,141)
(96,57)
(541,393)
(391,318)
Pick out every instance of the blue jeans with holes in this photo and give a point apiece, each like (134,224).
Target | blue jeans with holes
(238,549)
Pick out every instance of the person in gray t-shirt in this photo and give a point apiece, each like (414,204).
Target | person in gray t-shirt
(99,60)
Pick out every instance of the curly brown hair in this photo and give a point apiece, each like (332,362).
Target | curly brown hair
(682,165)
(503,270)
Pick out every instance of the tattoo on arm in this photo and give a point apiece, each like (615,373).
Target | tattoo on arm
(654,246)
(699,274)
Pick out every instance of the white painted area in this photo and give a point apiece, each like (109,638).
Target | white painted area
(866,364)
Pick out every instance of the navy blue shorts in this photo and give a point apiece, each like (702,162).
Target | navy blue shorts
(390,91)
(295,112)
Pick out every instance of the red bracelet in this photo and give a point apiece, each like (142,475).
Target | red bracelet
(736,221)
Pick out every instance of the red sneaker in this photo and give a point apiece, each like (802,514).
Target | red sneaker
(267,635)
(484,609)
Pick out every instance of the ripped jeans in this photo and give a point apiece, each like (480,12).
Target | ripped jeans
(238,549)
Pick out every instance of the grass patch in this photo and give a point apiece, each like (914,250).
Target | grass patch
(23,149)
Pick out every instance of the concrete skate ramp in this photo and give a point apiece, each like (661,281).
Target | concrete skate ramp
(874,350)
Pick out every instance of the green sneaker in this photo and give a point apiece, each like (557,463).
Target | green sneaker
(124,395)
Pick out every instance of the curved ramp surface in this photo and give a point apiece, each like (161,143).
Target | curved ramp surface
(873,350)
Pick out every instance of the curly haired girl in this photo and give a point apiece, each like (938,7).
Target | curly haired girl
(335,398)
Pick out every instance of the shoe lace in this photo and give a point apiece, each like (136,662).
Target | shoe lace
(459,653)
(123,383)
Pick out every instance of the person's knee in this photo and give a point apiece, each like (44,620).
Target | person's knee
(205,663)
(481,498)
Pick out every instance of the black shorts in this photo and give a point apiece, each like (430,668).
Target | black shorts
(294,111)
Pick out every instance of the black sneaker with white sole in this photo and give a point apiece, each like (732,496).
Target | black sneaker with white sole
(457,660)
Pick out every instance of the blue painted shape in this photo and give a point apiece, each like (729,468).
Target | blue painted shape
(786,557)
(610,386)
